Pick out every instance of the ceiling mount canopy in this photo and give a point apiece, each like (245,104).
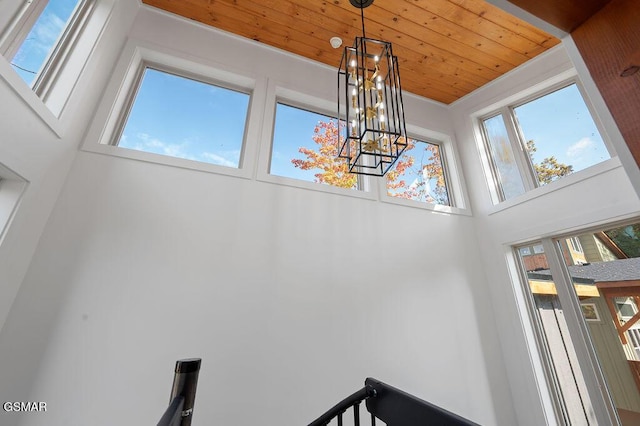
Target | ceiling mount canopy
(370,103)
(361,4)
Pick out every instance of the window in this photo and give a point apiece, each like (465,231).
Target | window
(305,147)
(419,174)
(592,353)
(575,244)
(41,36)
(505,169)
(536,142)
(184,118)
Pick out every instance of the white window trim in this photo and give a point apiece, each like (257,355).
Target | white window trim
(113,110)
(69,57)
(20,25)
(603,407)
(12,188)
(505,107)
(451,170)
(59,56)
(278,93)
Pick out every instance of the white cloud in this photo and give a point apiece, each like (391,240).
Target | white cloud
(149,143)
(579,147)
(146,142)
(47,31)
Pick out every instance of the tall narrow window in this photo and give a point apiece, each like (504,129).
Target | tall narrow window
(419,174)
(305,147)
(185,118)
(599,272)
(33,47)
(505,168)
(567,378)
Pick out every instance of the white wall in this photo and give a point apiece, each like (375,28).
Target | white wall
(40,147)
(588,198)
(289,306)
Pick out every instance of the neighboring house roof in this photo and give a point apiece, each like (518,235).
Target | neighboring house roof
(616,270)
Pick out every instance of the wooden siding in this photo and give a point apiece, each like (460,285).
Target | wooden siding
(446,48)
(609,42)
(612,359)
(563,14)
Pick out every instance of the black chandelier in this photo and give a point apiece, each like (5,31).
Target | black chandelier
(370,102)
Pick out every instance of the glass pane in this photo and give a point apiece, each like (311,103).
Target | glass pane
(607,284)
(305,147)
(184,118)
(42,38)
(560,134)
(419,175)
(504,163)
(626,239)
(568,382)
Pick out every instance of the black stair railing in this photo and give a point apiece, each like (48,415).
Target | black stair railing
(183,393)
(393,407)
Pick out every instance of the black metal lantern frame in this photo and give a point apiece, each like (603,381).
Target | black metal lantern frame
(370,102)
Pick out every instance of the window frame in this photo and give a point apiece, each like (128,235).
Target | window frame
(454,179)
(279,93)
(516,139)
(362,181)
(598,390)
(122,90)
(445,170)
(22,23)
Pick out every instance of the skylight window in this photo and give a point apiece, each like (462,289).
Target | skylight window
(181,117)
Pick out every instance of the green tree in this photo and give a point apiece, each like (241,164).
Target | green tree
(549,169)
(627,239)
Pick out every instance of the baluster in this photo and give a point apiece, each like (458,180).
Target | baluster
(356,414)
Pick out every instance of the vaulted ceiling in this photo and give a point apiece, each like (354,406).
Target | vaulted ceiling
(446,48)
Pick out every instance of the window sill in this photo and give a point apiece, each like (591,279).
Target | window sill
(437,208)
(565,182)
(165,160)
(313,186)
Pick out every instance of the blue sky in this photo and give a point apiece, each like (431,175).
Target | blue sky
(184,118)
(42,38)
(293,129)
(561,126)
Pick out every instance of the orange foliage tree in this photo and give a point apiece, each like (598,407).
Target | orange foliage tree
(333,170)
(421,179)
(418,175)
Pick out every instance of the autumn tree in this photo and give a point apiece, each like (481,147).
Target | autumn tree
(332,170)
(549,169)
(421,180)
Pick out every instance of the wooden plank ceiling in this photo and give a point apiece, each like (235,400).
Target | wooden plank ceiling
(446,48)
